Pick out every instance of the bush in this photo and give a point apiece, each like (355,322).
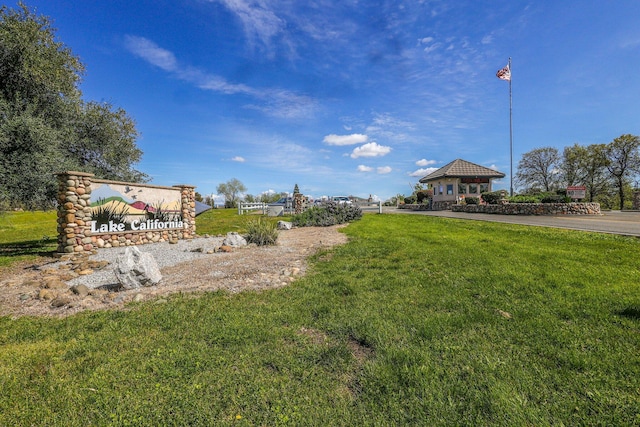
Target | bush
(523,199)
(422,196)
(472,200)
(410,200)
(494,197)
(555,198)
(262,232)
(328,214)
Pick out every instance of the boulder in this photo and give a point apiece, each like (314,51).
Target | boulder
(234,240)
(136,269)
(284,225)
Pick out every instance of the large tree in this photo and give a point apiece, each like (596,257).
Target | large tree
(586,166)
(231,190)
(623,162)
(539,169)
(45,126)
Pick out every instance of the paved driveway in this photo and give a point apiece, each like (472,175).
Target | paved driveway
(613,222)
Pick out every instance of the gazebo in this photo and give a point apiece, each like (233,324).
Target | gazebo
(457,180)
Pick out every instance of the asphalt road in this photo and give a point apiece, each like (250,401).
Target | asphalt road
(613,222)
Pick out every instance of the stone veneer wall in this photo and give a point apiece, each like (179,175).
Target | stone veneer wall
(532,209)
(74,217)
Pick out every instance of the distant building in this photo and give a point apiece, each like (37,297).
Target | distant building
(458,180)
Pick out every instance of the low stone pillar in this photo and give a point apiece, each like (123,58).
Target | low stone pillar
(636,200)
(298,203)
(188,200)
(74,212)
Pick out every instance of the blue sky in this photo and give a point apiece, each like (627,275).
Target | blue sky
(353,97)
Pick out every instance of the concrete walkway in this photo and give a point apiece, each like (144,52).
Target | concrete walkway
(625,223)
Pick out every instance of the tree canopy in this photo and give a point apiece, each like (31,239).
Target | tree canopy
(606,170)
(45,125)
(538,169)
(231,191)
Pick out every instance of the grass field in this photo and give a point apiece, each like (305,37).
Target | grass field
(417,321)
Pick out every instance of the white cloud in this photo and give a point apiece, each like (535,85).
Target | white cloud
(258,20)
(430,46)
(370,149)
(151,52)
(420,173)
(425,162)
(273,102)
(238,159)
(354,138)
(363,168)
(383,170)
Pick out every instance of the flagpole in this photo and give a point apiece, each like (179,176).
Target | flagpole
(510,131)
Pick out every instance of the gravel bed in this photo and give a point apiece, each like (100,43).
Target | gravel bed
(165,254)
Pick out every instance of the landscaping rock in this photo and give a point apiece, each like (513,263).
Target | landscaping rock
(284,225)
(61,301)
(233,239)
(80,290)
(137,269)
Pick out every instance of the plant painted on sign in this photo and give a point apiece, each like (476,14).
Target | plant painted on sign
(158,211)
(105,212)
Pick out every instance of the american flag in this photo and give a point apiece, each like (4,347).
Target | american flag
(504,73)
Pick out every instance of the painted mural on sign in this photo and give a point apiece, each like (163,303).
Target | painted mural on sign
(121,207)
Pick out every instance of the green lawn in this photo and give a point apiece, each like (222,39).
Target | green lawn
(417,321)
(26,235)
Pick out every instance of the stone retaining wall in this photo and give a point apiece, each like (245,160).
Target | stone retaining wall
(75,216)
(532,209)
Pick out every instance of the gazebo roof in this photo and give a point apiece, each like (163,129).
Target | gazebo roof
(462,169)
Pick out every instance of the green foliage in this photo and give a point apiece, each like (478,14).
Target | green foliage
(470,200)
(624,162)
(422,196)
(555,198)
(410,200)
(538,169)
(329,213)
(600,168)
(542,197)
(493,198)
(231,191)
(524,198)
(45,126)
(261,231)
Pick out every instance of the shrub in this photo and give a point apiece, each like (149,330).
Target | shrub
(410,200)
(262,232)
(328,214)
(470,200)
(555,198)
(523,199)
(422,196)
(493,198)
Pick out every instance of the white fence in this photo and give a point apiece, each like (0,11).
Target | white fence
(264,207)
(246,207)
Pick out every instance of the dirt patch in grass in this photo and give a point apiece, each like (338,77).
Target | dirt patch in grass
(35,288)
